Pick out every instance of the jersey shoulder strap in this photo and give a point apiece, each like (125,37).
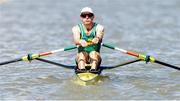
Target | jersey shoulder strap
(81,29)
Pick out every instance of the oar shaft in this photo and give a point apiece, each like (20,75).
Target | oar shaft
(166,64)
(119,49)
(140,56)
(58,50)
(34,56)
(11,61)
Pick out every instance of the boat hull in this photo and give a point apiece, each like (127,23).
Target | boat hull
(88,78)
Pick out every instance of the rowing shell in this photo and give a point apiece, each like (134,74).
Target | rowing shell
(88,78)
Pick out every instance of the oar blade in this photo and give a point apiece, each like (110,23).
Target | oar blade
(10,61)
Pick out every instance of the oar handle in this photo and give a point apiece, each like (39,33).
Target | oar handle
(70,48)
(108,46)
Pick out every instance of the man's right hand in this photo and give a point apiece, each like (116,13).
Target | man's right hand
(83,43)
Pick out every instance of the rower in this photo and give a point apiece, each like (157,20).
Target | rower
(88,35)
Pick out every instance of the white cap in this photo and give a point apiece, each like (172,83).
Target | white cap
(87,9)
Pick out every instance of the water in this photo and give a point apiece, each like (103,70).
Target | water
(144,26)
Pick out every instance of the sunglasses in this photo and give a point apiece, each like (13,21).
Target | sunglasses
(90,15)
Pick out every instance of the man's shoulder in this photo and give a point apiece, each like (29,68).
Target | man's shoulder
(100,27)
(75,28)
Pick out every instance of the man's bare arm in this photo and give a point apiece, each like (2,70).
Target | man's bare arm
(100,32)
(76,35)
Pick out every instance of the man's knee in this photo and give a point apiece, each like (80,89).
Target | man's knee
(82,56)
(94,56)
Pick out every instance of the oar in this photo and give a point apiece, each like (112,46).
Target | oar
(30,57)
(141,56)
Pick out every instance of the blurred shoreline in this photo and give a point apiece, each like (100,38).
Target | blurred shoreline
(2,1)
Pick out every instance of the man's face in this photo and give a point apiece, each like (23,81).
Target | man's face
(87,18)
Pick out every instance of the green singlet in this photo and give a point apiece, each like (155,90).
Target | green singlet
(94,47)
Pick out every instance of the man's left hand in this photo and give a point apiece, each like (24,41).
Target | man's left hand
(95,40)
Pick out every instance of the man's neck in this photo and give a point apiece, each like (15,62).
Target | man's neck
(88,27)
